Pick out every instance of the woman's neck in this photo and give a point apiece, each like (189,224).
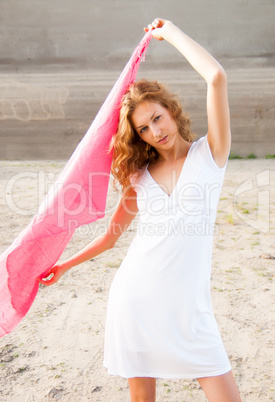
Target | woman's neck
(177,151)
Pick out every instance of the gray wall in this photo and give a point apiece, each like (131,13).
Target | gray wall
(59,59)
(98,31)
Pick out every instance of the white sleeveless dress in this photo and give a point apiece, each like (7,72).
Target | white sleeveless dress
(160,321)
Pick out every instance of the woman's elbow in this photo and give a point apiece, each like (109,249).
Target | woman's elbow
(112,243)
(219,77)
(110,240)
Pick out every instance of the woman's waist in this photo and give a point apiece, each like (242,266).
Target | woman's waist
(180,227)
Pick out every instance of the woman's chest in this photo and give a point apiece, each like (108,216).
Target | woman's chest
(193,192)
(166,175)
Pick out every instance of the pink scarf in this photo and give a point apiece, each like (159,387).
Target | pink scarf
(77,198)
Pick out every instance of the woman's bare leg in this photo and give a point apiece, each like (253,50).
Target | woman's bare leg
(220,388)
(142,389)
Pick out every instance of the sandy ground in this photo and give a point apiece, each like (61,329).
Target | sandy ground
(57,350)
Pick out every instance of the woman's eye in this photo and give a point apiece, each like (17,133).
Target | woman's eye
(156,118)
(143,130)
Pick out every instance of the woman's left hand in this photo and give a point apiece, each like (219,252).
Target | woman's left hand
(53,275)
(158,26)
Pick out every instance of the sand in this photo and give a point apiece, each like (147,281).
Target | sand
(57,350)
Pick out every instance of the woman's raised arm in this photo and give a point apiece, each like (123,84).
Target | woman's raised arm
(219,135)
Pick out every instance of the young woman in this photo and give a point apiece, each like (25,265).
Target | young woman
(160,321)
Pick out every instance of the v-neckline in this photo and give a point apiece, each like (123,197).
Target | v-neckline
(182,169)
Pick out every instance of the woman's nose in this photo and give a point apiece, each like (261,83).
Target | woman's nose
(155,130)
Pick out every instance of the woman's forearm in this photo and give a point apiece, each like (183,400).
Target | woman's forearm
(96,247)
(194,53)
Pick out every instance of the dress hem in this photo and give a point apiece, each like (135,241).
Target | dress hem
(169,376)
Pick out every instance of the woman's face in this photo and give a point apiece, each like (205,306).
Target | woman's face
(155,125)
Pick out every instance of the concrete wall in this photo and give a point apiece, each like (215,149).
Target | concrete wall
(97,31)
(59,59)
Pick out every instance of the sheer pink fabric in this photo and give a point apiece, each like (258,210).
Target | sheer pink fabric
(77,198)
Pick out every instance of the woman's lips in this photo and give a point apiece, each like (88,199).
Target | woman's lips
(163,140)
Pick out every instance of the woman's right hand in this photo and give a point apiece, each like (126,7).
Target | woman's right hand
(53,275)
(158,28)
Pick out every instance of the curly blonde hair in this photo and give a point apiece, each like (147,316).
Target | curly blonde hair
(130,152)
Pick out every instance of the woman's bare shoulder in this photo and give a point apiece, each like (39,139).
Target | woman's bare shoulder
(137,175)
